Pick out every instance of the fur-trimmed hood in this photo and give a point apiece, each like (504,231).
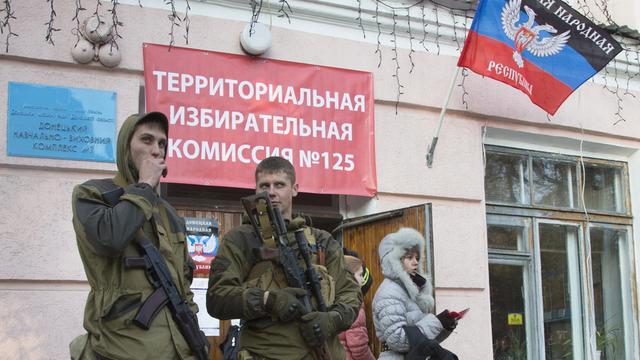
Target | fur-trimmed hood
(391,249)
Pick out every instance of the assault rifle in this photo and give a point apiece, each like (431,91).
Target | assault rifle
(259,207)
(166,292)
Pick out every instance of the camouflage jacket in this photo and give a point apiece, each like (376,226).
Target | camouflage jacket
(239,277)
(104,236)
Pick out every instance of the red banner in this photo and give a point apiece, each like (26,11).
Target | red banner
(228,112)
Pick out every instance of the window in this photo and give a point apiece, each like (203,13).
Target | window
(507,310)
(557,275)
(607,253)
(510,286)
(541,180)
(604,188)
(561,299)
(554,183)
(509,174)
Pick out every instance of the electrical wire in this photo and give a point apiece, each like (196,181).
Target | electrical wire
(589,269)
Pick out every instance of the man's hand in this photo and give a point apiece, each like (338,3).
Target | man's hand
(283,304)
(151,169)
(317,327)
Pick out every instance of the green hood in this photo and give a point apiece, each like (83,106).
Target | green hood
(127,171)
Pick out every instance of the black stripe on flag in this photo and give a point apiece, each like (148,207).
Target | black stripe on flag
(595,44)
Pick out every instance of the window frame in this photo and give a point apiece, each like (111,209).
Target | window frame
(576,278)
(524,259)
(530,313)
(530,154)
(511,214)
(625,257)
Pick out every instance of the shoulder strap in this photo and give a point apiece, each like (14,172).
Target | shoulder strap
(266,231)
(310,237)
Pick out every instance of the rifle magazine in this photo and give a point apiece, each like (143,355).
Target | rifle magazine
(150,308)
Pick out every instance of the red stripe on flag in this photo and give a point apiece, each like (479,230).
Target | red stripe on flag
(489,57)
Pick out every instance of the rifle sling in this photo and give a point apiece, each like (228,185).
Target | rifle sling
(266,230)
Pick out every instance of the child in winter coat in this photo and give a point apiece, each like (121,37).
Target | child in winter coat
(404,297)
(355,340)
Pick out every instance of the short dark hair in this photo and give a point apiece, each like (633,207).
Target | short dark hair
(275,164)
(154,117)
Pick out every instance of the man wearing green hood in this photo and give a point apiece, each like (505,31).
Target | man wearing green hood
(105,234)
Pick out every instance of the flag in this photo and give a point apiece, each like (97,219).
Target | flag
(543,48)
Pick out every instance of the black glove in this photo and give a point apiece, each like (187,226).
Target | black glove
(448,322)
(316,327)
(283,304)
(421,347)
(441,353)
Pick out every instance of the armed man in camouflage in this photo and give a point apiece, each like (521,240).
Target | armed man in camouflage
(244,285)
(106,227)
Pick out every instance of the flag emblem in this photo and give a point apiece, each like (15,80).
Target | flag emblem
(529,36)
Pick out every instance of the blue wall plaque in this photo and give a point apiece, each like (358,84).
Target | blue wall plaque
(61,122)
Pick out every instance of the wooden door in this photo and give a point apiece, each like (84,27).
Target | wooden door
(226,222)
(364,234)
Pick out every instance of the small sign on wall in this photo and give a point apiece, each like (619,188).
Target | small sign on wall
(208,324)
(202,243)
(514,319)
(61,122)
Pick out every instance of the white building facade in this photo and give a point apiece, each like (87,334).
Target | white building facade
(533,220)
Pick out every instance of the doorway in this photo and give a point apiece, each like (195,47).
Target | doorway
(364,234)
